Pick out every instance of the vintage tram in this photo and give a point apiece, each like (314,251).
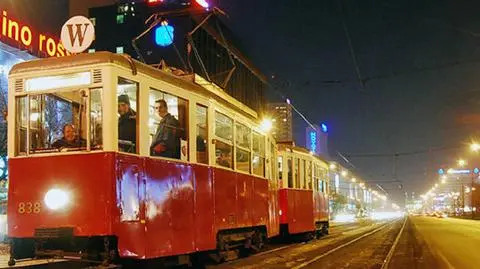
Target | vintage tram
(101,197)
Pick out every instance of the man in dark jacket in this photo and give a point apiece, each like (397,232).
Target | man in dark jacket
(166,142)
(127,125)
(69,138)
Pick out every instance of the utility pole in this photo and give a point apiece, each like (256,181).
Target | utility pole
(472,206)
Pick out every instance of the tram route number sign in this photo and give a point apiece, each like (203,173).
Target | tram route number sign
(77,34)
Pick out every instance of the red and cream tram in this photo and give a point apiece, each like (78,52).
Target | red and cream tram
(104,198)
(303,198)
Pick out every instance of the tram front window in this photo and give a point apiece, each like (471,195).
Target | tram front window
(54,122)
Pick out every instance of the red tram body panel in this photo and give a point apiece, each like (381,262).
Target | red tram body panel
(89,176)
(174,208)
(297,210)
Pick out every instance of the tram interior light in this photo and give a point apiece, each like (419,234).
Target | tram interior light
(57,199)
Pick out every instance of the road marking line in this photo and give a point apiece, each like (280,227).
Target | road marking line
(387,260)
(339,247)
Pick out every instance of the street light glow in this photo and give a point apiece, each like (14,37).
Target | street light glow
(462,163)
(266,125)
(475,147)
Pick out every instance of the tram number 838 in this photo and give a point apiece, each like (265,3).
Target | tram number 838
(29,208)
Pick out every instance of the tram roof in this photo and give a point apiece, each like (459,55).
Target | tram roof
(192,82)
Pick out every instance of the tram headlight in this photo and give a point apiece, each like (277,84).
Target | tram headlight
(56,199)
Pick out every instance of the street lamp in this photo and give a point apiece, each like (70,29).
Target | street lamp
(475,147)
(461,163)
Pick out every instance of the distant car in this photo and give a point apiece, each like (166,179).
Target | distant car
(442,215)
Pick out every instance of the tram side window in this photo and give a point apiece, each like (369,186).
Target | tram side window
(243,138)
(223,140)
(258,154)
(322,179)
(315,177)
(272,161)
(303,178)
(96,116)
(21,125)
(127,93)
(289,172)
(308,176)
(55,121)
(202,134)
(297,173)
(280,167)
(168,125)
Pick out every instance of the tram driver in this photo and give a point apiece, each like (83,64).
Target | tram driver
(69,139)
(166,142)
(127,125)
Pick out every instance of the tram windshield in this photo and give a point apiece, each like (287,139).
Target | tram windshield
(57,122)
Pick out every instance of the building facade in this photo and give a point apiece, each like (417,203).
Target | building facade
(282,123)
(181,36)
(316,139)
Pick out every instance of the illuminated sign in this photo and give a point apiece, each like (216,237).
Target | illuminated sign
(454,171)
(164,34)
(324,128)
(18,33)
(77,34)
(313,141)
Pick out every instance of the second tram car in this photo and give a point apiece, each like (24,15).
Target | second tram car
(303,196)
(80,187)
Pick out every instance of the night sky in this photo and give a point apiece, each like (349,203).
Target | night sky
(418,61)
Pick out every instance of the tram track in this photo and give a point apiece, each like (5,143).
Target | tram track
(386,261)
(341,230)
(304,254)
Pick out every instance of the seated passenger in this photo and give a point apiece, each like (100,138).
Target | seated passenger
(224,159)
(69,139)
(127,125)
(166,142)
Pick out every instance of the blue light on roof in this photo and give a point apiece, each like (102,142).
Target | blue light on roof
(440,171)
(324,128)
(476,170)
(164,35)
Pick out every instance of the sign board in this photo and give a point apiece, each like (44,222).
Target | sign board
(77,34)
(16,33)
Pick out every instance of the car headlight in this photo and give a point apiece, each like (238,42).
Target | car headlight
(56,199)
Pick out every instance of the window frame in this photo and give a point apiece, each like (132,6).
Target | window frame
(186,123)
(249,150)
(223,140)
(207,133)
(137,111)
(27,96)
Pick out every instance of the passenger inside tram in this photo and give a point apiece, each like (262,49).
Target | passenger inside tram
(166,141)
(54,121)
(224,157)
(69,139)
(127,125)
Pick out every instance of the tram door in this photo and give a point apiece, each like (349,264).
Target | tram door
(131,204)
